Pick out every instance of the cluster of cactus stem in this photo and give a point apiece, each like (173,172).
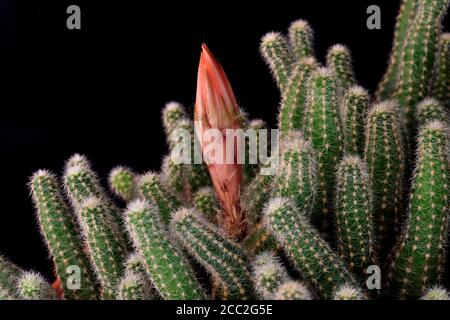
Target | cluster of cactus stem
(362,181)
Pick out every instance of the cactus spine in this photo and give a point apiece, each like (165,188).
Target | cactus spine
(205,201)
(224,260)
(436,293)
(354,215)
(339,59)
(58,228)
(430,110)
(172,113)
(354,106)
(133,287)
(122,181)
(275,52)
(310,254)
(169,270)
(323,127)
(32,286)
(268,274)
(292,290)
(348,292)
(419,256)
(300,35)
(441,81)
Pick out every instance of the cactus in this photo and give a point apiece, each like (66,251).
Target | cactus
(268,274)
(133,287)
(385,158)
(310,254)
(418,57)
(354,215)
(348,292)
(354,107)
(275,51)
(297,177)
(251,153)
(32,286)
(172,113)
(441,81)
(419,256)
(429,110)
(152,189)
(58,228)
(292,290)
(9,272)
(255,196)
(205,201)
(104,241)
(259,239)
(164,262)
(300,35)
(294,97)
(122,181)
(436,293)
(224,260)
(323,127)
(339,60)
(405,19)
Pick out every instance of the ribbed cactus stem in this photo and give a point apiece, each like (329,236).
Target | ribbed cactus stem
(441,81)
(339,59)
(174,174)
(297,176)
(122,181)
(354,107)
(251,166)
(58,227)
(436,293)
(172,113)
(169,270)
(354,215)
(205,201)
(259,239)
(405,18)
(292,290)
(224,260)
(420,254)
(301,37)
(310,254)
(104,241)
(418,57)
(348,292)
(32,286)
(429,110)
(275,51)
(268,274)
(255,196)
(293,99)
(385,158)
(9,273)
(153,190)
(133,286)
(323,126)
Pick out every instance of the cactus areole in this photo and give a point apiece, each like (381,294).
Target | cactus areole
(216,110)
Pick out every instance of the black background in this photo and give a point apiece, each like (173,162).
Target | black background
(99,90)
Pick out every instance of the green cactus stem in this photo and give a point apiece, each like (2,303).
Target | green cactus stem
(205,201)
(292,290)
(429,110)
(419,257)
(275,51)
(323,126)
(307,250)
(259,239)
(301,37)
(251,152)
(59,230)
(224,260)
(436,293)
(122,181)
(32,286)
(293,101)
(255,196)
(9,273)
(441,81)
(133,286)
(172,113)
(348,292)
(268,274)
(168,269)
(354,107)
(339,60)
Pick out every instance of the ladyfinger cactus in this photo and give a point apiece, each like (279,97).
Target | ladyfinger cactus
(9,273)
(104,241)
(293,99)
(268,274)
(300,35)
(436,293)
(418,57)
(348,292)
(354,107)
(224,260)
(385,158)
(122,181)
(256,195)
(292,290)
(310,254)
(205,201)
(170,272)
(58,228)
(32,286)
(420,254)
(429,110)
(259,239)
(172,113)
(441,81)
(133,287)
(339,59)
(275,51)
(354,215)
(405,18)
(251,165)
(152,189)
(323,126)
(297,177)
